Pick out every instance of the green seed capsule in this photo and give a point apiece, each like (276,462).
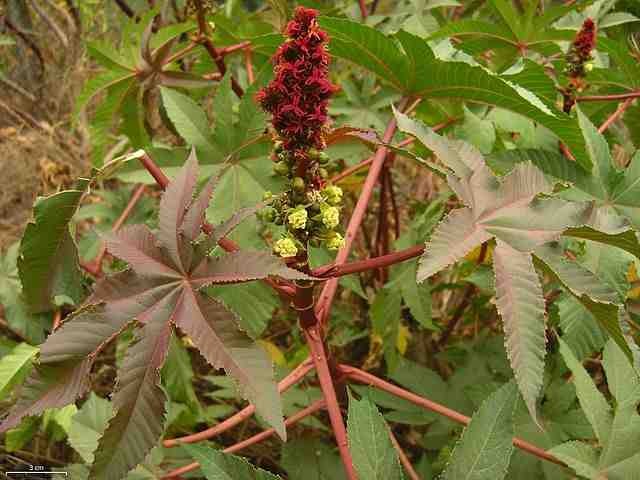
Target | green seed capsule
(313,153)
(323,158)
(269,214)
(278,146)
(281,168)
(324,174)
(298,184)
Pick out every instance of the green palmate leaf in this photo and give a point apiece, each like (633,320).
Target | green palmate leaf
(614,192)
(593,403)
(107,57)
(373,454)
(385,321)
(627,240)
(253,303)
(311,459)
(15,365)
(235,145)
(178,375)
(415,70)
(580,328)
(98,84)
(599,298)
(48,261)
(105,117)
(221,466)
(509,211)
(133,118)
(582,458)
(618,429)
(88,425)
(485,448)
(31,326)
(623,59)
(158,292)
(16,438)
(189,120)
(416,297)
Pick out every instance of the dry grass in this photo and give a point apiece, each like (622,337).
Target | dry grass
(40,149)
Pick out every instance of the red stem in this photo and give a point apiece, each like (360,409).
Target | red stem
(404,460)
(615,115)
(234,48)
(248,61)
(229,245)
(292,420)
(211,49)
(383,227)
(287,382)
(361,376)
(363,9)
(394,204)
(334,270)
(609,98)
(57,318)
(313,336)
(348,171)
(328,292)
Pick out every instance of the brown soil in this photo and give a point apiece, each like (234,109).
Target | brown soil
(32,163)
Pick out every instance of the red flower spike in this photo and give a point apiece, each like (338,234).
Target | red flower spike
(580,52)
(585,39)
(297,98)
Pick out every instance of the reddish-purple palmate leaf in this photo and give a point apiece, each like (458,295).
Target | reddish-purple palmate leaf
(139,401)
(215,334)
(241,266)
(195,216)
(173,206)
(160,290)
(136,246)
(49,386)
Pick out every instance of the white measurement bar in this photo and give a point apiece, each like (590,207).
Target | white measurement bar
(37,472)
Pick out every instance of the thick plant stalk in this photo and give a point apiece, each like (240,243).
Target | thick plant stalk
(394,204)
(287,382)
(314,339)
(292,420)
(382,234)
(366,378)
(334,270)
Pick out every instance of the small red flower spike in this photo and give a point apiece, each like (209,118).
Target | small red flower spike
(298,96)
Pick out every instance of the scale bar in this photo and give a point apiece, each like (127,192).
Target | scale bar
(37,472)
